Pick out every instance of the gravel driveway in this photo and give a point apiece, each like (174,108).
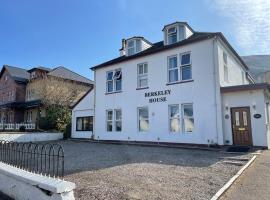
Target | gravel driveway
(117,172)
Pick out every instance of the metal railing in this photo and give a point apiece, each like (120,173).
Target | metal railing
(16,126)
(46,159)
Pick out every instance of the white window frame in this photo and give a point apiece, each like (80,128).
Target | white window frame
(131,47)
(185,65)
(172,33)
(142,76)
(175,68)
(117,120)
(114,80)
(184,117)
(107,120)
(225,67)
(172,118)
(138,119)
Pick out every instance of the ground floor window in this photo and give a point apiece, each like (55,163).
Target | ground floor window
(114,120)
(84,123)
(174,118)
(188,119)
(143,119)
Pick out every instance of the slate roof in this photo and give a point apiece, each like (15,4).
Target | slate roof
(18,74)
(159,46)
(23,75)
(65,73)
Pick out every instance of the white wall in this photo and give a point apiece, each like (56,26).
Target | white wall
(19,184)
(242,99)
(201,93)
(235,67)
(30,137)
(84,108)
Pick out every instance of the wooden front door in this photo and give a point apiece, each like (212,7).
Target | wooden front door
(241,126)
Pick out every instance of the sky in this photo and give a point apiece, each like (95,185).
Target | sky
(79,34)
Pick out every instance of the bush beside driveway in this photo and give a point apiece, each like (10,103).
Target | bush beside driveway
(107,171)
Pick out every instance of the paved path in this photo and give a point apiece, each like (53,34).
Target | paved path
(254,184)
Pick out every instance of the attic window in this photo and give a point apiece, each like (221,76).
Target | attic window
(133,46)
(172,35)
(6,78)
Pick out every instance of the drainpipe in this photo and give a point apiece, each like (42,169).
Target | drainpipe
(215,87)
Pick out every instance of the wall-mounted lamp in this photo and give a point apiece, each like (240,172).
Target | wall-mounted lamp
(227,107)
(254,105)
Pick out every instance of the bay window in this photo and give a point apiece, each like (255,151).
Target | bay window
(142,75)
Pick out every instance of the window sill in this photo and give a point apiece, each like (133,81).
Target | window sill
(113,92)
(142,88)
(180,82)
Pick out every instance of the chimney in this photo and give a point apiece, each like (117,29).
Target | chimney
(123,49)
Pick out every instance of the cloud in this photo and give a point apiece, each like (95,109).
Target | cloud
(249,21)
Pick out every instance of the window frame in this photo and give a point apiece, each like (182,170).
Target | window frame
(134,47)
(171,118)
(183,118)
(113,120)
(170,34)
(175,68)
(114,80)
(117,120)
(142,76)
(83,118)
(225,67)
(138,119)
(185,65)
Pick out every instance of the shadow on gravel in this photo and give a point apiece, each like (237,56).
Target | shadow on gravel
(87,156)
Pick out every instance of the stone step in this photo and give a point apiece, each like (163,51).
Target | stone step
(237,163)
(235,159)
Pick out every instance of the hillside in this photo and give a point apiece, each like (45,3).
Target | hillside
(257,63)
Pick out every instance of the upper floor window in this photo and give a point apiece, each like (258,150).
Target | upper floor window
(182,72)
(185,66)
(142,75)
(114,81)
(225,67)
(172,35)
(6,78)
(133,46)
(33,75)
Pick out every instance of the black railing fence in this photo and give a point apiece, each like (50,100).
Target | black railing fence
(46,159)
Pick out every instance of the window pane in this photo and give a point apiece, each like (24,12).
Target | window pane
(174,111)
(109,75)
(245,118)
(118,85)
(172,38)
(140,69)
(79,123)
(109,86)
(118,114)
(143,113)
(109,126)
(185,59)
(145,68)
(109,115)
(174,125)
(173,75)
(237,120)
(143,125)
(143,82)
(172,62)
(226,73)
(188,110)
(138,45)
(118,126)
(131,51)
(225,59)
(172,30)
(186,73)
(189,124)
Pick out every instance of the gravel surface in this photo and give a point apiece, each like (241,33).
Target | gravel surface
(107,171)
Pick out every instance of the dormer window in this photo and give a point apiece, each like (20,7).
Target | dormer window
(131,47)
(33,75)
(172,35)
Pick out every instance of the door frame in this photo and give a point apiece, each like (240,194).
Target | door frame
(249,123)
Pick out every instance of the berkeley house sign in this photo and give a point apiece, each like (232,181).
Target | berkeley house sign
(154,96)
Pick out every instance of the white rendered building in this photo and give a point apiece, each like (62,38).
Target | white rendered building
(192,87)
